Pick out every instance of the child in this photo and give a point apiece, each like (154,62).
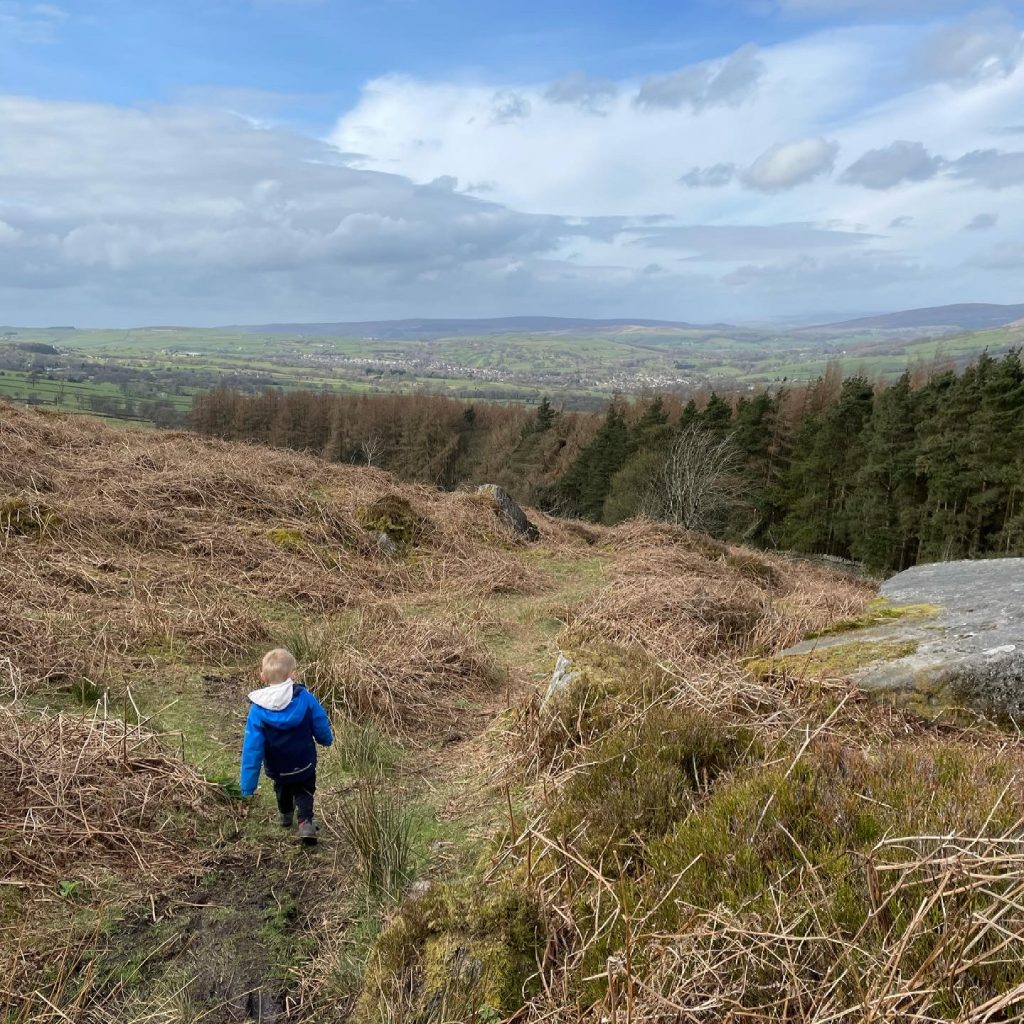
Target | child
(284,725)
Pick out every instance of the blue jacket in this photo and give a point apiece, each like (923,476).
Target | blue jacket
(283,741)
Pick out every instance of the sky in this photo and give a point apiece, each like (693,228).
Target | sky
(203,162)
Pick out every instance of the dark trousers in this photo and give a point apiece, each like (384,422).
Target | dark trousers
(296,795)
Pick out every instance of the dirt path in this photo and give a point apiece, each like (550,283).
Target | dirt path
(467,771)
(230,946)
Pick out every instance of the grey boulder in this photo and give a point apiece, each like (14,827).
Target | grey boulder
(508,511)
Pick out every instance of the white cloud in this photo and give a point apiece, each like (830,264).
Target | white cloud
(987,44)
(727,83)
(990,168)
(731,242)
(788,164)
(874,271)
(512,196)
(25,22)
(581,90)
(737,166)
(715,176)
(1004,256)
(509,106)
(131,203)
(892,165)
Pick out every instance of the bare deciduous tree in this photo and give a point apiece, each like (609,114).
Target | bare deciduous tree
(698,486)
(372,448)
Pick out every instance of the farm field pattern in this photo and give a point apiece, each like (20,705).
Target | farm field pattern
(149,373)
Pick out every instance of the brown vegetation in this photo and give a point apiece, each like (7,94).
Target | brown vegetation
(714,845)
(169,541)
(673,837)
(85,795)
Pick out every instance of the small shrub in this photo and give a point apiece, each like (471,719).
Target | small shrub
(583,711)
(763,827)
(607,687)
(635,783)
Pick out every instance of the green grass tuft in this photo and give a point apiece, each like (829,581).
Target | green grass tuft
(378,827)
(363,750)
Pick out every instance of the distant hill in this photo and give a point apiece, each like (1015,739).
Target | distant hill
(967,316)
(425,328)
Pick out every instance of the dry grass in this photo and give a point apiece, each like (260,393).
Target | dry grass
(714,845)
(120,543)
(678,597)
(85,795)
(942,942)
(706,845)
(405,673)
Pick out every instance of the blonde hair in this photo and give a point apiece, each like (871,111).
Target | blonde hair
(278,665)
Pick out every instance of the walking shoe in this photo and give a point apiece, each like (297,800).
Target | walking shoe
(285,820)
(308,831)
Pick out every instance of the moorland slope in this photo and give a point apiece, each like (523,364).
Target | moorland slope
(676,833)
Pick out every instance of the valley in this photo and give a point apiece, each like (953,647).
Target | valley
(152,374)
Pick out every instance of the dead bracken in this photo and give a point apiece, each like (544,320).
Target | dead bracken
(688,830)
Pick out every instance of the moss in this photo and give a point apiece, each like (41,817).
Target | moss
(606,682)
(393,515)
(481,976)
(24,518)
(288,540)
(637,780)
(878,613)
(794,841)
(834,659)
(750,841)
(460,949)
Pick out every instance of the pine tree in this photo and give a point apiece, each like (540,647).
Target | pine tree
(689,416)
(545,416)
(755,436)
(993,451)
(586,485)
(820,471)
(717,416)
(886,491)
(646,449)
(947,404)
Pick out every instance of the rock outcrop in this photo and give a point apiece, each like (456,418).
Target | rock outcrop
(958,631)
(508,511)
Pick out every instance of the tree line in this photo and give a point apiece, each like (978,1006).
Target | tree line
(928,468)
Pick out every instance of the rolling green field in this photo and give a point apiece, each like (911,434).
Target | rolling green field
(151,374)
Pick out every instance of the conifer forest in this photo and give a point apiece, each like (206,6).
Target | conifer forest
(923,469)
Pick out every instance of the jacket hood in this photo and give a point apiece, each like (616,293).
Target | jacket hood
(274,698)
